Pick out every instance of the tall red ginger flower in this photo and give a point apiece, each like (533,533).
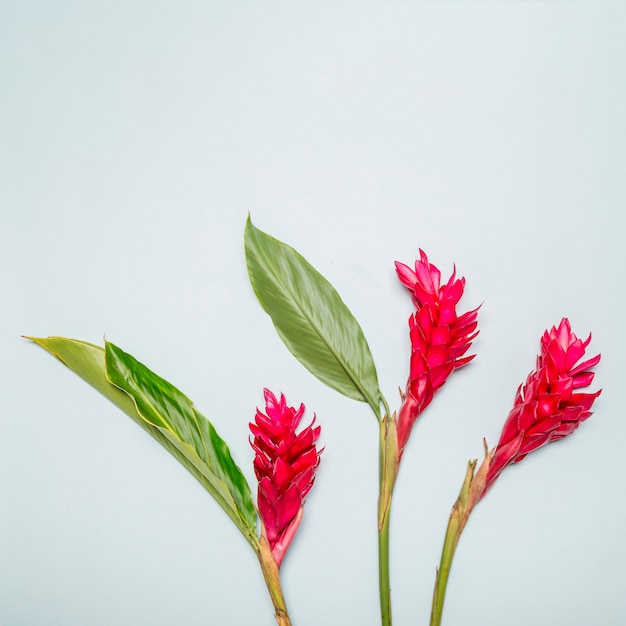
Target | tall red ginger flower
(439,337)
(547,406)
(284,464)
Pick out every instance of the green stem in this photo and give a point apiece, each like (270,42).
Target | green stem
(441,581)
(271,573)
(458,517)
(388,459)
(383,572)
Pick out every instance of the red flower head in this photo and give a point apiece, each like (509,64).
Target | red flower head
(284,465)
(547,407)
(439,338)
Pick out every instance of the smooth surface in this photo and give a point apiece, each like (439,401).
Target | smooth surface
(134,139)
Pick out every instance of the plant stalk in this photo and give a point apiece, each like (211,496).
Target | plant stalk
(388,465)
(271,573)
(383,572)
(471,491)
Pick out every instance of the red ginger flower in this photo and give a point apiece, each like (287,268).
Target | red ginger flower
(284,465)
(439,337)
(547,407)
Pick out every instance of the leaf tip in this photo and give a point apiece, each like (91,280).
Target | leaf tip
(250,227)
(40,341)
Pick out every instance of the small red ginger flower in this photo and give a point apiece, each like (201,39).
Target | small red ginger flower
(439,337)
(284,464)
(547,406)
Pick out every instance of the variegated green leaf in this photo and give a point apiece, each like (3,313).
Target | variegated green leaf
(168,415)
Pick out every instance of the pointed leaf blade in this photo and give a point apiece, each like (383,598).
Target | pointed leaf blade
(311,318)
(165,407)
(221,478)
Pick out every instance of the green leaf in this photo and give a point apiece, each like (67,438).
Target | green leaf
(168,415)
(311,318)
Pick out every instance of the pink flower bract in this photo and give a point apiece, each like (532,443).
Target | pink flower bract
(284,464)
(439,337)
(549,405)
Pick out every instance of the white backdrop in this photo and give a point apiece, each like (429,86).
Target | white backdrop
(134,139)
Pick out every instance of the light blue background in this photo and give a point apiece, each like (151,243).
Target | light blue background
(134,139)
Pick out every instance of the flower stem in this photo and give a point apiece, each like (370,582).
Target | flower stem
(383,573)
(388,464)
(471,491)
(271,573)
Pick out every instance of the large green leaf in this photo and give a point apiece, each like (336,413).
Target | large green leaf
(311,318)
(168,415)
